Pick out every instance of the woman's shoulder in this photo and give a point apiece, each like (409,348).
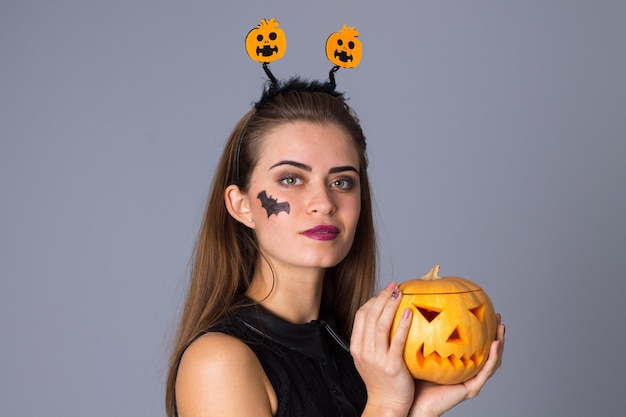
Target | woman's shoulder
(216,349)
(213,372)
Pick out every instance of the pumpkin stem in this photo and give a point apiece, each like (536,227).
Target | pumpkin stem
(432,274)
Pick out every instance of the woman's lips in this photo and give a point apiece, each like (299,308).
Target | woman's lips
(322,232)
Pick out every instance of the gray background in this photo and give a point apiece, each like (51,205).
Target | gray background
(497,134)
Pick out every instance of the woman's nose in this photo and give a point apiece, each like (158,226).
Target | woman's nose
(321,202)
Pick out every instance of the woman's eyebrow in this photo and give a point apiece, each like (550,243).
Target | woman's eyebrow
(292,163)
(343,169)
(307,168)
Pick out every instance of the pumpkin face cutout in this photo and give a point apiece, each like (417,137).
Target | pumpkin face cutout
(266,42)
(453,325)
(343,48)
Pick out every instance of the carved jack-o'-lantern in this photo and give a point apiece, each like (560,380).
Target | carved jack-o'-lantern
(343,48)
(453,325)
(266,42)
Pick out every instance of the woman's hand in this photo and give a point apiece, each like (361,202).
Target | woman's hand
(391,389)
(390,386)
(433,400)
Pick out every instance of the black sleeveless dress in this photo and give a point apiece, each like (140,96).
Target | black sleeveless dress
(308,365)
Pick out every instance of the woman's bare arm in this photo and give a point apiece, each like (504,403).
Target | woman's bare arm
(220,376)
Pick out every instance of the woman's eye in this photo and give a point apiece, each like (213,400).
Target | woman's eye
(290,181)
(344,184)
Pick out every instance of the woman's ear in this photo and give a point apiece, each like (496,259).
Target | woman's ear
(238,205)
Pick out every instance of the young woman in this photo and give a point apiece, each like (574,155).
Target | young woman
(283,279)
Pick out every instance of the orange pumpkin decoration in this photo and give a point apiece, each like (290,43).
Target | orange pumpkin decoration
(343,48)
(453,325)
(266,42)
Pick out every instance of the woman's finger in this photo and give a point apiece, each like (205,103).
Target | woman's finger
(398,341)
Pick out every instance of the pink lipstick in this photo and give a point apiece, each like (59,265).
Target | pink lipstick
(322,232)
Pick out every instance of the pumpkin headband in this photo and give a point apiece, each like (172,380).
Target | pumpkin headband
(267,43)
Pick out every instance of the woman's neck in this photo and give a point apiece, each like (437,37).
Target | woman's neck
(292,295)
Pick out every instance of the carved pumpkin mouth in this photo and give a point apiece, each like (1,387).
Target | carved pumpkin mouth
(343,56)
(458,362)
(267,50)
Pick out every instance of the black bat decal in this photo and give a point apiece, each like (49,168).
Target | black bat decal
(271,205)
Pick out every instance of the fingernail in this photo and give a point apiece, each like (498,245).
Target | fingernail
(395,293)
(406,313)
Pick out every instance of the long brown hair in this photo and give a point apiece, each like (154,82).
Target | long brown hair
(226,251)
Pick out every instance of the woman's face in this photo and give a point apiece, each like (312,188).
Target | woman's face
(305,195)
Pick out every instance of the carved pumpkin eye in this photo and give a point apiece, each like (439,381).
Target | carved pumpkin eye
(479,312)
(428,313)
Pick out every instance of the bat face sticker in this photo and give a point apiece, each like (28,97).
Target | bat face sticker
(271,205)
